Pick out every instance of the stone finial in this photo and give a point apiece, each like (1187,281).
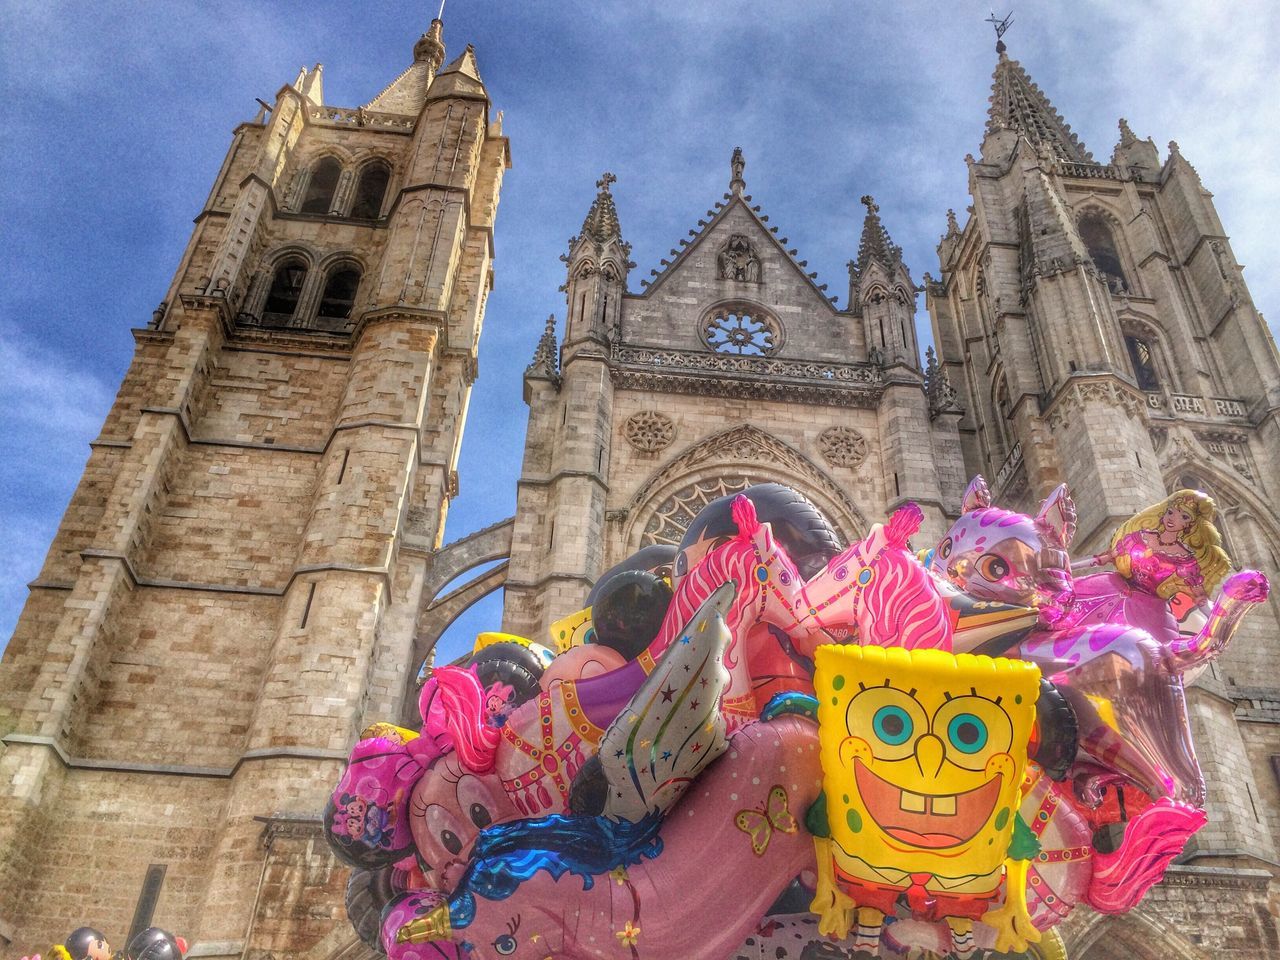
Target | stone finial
(602,223)
(430,46)
(736,165)
(545,362)
(953,225)
(875,244)
(942,395)
(1126,133)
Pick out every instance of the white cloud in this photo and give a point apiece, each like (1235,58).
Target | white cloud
(50,408)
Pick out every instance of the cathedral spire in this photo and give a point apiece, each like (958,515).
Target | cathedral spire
(602,224)
(1018,104)
(876,244)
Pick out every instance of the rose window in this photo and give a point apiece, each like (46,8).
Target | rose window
(742,331)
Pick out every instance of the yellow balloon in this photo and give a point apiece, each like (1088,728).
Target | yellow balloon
(923,758)
(572,631)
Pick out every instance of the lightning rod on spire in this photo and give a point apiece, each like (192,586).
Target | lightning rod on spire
(440,15)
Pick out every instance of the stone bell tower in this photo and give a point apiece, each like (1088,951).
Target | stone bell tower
(233,589)
(1098,330)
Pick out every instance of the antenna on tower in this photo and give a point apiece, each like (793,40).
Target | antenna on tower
(1000,26)
(440,15)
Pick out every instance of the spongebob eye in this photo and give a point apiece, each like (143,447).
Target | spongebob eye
(944,550)
(505,945)
(992,568)
(892,724)
(887,720)
(967,733)
(976,729)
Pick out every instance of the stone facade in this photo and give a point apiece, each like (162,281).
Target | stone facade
(259,524)
(1097,330)
(731,366)
(1091,327)
(233,591)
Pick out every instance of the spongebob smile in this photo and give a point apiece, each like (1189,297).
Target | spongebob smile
(931,821)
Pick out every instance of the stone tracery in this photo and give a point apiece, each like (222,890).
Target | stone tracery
(843,446)
(648,430)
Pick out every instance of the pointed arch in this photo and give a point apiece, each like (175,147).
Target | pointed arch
(1236,502)
(1130,936)
(1102,234)
(735,458)
(321,185)
(372,180)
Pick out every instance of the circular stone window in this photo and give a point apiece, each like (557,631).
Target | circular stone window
(843,446)
(743,330)
(649,430)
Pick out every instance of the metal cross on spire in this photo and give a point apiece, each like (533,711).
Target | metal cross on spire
(1000,27)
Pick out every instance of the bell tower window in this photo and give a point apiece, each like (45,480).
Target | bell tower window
(321,187)
(1142,356)
(1097,238)
(339,295)
(285,292)
(370,191)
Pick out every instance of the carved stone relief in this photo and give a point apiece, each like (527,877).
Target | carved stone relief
(738,261)
(649,430)
(843,446)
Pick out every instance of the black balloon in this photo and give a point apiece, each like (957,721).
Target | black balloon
(153,944)
(628,611)
(368,892)
(510,663)
(656,558)
(1058,729)
(797,524)
(85,942)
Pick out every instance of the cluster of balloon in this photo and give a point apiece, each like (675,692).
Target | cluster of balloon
(943,754)
(86,943)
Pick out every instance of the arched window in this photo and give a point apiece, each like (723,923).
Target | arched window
(1142,356)
(1097,237)
(320,190)
(370,191)
(339,295)
(286,290)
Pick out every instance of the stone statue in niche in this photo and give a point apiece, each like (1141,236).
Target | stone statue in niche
(738,261)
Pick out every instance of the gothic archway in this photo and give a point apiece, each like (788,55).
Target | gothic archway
(436,611)
(664,505)
(1133,936)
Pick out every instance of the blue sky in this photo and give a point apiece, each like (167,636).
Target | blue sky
(118,116)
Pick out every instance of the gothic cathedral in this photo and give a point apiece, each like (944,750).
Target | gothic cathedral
(261,520)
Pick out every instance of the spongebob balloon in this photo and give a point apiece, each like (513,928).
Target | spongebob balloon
(924,756)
